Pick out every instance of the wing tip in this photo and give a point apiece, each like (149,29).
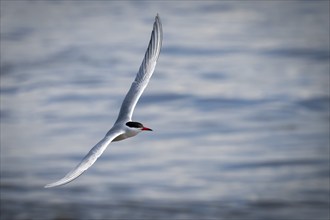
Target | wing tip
(50,185)
(158,21)
(63,181)
(55,184)
(158,31)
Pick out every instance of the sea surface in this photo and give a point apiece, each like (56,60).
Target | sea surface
(239,105)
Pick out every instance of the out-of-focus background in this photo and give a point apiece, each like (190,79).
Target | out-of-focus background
(239,104)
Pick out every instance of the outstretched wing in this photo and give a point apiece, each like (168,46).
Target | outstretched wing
(146,70)
(89,159)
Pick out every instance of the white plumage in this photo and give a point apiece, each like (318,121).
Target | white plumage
(123,127)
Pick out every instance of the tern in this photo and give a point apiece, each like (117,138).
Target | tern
(124,127)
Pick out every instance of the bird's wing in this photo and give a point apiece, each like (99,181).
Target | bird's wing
(89,159)
(146,70)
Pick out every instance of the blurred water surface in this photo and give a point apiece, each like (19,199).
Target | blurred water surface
(239,104)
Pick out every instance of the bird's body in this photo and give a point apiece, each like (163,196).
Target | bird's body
(124,127)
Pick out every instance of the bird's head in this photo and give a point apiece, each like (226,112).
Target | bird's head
(137,125)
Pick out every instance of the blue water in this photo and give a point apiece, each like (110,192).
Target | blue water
(239,105)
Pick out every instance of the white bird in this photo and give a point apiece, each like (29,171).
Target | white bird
(124,127)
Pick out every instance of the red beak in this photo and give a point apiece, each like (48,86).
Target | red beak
(146,129)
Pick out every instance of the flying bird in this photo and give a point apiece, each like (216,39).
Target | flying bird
(124,127)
